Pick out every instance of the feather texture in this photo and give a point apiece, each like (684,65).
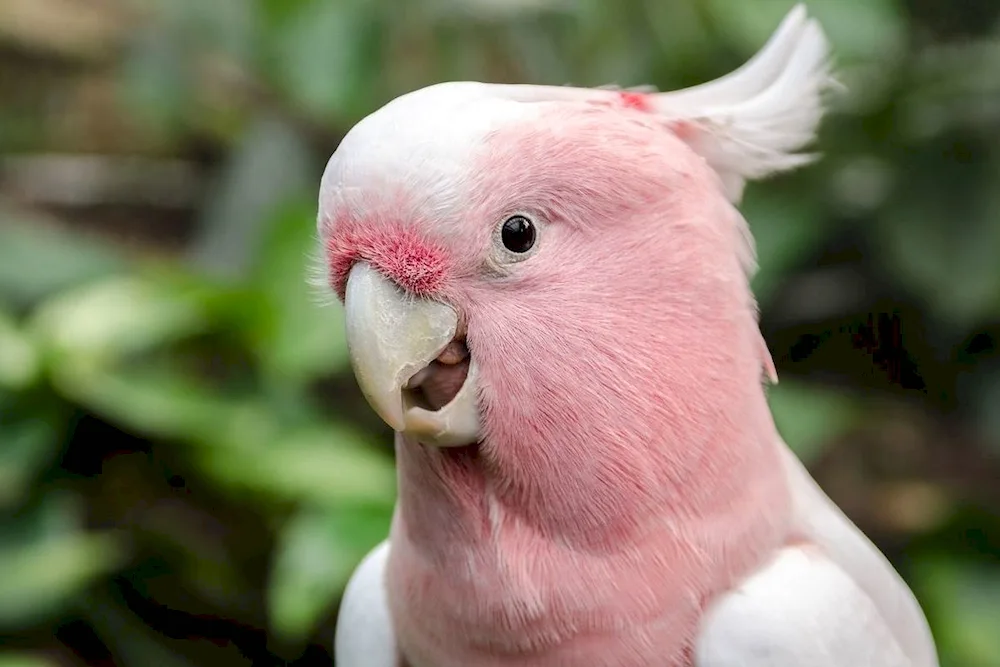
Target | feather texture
(752,122)
(628,473)
(748,124)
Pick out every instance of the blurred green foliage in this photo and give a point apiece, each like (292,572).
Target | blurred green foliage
(187,472)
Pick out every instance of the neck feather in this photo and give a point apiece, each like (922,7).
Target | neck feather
(451,499)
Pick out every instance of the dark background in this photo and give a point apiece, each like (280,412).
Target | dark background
(187,472)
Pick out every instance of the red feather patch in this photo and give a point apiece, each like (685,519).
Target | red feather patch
(403,255)
(633,100)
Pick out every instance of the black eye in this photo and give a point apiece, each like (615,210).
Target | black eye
(518,234)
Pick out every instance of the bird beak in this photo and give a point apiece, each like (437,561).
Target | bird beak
(391,337)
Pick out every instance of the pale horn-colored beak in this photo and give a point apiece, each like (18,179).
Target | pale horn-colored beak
(392,336)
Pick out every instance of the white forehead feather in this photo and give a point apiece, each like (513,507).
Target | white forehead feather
(422,140)
(747,125)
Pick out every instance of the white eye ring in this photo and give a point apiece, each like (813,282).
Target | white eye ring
(516,238)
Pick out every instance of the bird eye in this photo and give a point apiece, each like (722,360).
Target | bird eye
(518,234)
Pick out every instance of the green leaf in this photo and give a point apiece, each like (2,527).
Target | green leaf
(323,59)
(56,515)
(130,639)
(226,26)
(607,48)
(948,82)
(961,599)
(786,227)
(27,443)
(165,403)
(39,578)
(19,362)
(681,39)
(317,552)
(860,30)
(118,317)
(25,660)
(809,418)
(269,167)
(297,337)
(325,465)
(954,267)
(47,561)
(155,78)
(986,401)
(278,12)
(241,442)
(38,259)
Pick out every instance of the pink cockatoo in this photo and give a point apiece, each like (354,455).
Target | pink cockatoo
(547,297)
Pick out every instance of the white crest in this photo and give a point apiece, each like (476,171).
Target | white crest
(750,123)
(754,120)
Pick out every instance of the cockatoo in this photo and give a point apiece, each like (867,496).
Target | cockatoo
(547,297)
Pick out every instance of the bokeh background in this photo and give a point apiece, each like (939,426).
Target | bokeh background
(188,474)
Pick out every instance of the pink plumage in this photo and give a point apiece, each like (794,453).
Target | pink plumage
(619,371)
(626,495)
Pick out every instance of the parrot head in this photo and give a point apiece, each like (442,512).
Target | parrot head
(558,278)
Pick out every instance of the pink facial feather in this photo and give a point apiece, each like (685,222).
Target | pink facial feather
(628,472)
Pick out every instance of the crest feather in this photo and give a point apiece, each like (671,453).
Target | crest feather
(748,124)
(752,122)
